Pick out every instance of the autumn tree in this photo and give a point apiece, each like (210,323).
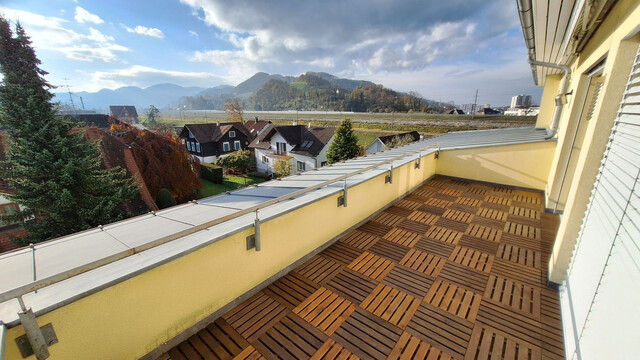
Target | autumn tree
(57,176)
(237,161)
(282,168)
(163,161)
(152,113)
(344,145)
(233,108)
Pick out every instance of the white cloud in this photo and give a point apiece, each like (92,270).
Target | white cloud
(104,52)
(54,34)
(383,37)
(143,30)
(97,36)
(83,16)
(194,34)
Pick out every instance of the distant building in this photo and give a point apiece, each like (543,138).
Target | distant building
(531,111)
(305,148)
(469,108)
(207,142)
(125,113)
(521,101)
(455,112)
(384,142)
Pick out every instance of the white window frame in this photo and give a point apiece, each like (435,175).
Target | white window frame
(265,160)
(188,145)
(226,147)
(237,145)
(232,134)
(302,166)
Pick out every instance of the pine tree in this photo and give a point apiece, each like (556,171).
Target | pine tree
(344,145)
(57,176)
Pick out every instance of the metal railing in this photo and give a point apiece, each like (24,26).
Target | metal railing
(18,292)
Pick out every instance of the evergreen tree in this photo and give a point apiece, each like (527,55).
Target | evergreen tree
(57,175)
(344,145)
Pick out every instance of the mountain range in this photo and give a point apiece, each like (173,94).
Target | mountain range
(168,96)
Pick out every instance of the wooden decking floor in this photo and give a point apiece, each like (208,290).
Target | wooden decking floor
(455,270)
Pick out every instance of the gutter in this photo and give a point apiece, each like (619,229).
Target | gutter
(561,98)
(525,11)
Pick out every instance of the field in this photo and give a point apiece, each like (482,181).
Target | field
(387,123)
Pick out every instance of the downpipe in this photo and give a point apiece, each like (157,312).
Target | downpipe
(561,98)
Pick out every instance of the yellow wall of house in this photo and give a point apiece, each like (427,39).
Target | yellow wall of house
(134,317)
(548,102)
(617,41)
(524,165)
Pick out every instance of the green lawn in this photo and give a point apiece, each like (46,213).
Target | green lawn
(229,183)
(366,137)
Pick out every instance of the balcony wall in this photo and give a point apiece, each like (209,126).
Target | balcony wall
(135,317)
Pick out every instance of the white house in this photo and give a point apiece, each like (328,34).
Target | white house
(303,147)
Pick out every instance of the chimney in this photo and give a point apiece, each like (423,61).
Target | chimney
(295,122)
(256,119)
(217,123)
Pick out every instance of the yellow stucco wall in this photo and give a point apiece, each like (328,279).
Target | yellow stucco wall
(617,41)
(548,102)
(131,318)
(524,165)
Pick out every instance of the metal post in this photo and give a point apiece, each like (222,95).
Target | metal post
(33,260)
(3,339)
(389,178)
(256,225)
(418,163)
(32,330)
(344,193)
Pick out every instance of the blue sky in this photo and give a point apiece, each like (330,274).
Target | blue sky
(442,49)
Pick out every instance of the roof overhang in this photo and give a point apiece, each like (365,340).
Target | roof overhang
(556,31)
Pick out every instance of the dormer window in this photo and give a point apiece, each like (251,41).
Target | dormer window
(232,134)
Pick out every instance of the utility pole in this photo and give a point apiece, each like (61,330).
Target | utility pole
(475,104)
(66,82)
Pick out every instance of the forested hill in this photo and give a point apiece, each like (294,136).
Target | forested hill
(310,91)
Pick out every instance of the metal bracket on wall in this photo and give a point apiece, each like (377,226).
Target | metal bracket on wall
(437,154)
(36,340)
(389,178)
(253,241)
(418,161)
(342,199)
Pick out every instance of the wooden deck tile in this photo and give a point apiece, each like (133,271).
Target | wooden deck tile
(389,250)
(435,247)
(291,289)
(472,258)
(253,317)
(388,219)
(411,347)
(372,266)
(456,270)
(441,329)
(351,285)
(391,305)
(341,253)
(330,350)
(249,353)
(487,343)
(359,239)
(402,237)
(367,336)
(410,281)
(423,217)
(519,255)
(319,269)
(290,338)
(464,277)
(423,262)
(444,234)
(325,310)
(453,299)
